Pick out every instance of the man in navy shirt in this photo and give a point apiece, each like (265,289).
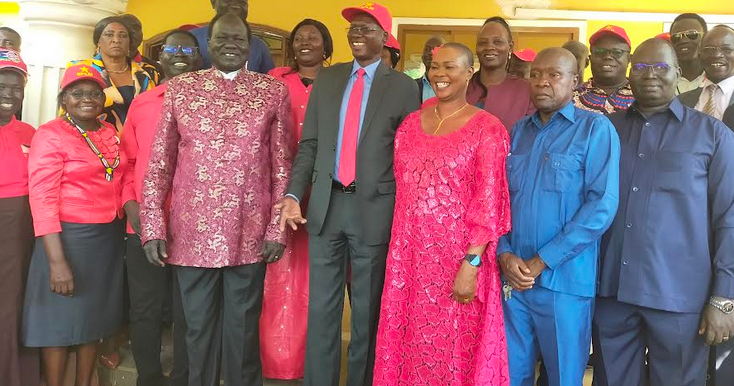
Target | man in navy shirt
(667,268)
(259,60)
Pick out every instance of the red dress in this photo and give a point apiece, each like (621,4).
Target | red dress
(451,193)
(285,300)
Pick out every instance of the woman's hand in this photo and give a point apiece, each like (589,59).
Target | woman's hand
(465,284)
(132,209)
(61,279)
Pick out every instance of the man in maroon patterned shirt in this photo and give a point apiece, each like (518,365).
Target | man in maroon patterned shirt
(222,150)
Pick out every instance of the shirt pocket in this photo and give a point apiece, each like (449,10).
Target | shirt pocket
(515,164)
(674,171)
(561,172)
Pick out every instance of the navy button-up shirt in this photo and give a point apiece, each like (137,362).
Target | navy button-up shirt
(564,181)
(672,242)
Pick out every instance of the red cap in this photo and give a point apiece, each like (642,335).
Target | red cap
(11,60)
(664,36)
(610,30)
(189,27)
(393,43)
(525,54)
(79,72)
(380,13)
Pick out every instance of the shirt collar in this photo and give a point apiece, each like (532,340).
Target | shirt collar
(229,76)
(675,107)
(589,85)
(726,85)
(568,111)
(369,70)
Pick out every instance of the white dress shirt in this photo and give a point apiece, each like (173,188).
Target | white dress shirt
(722,96)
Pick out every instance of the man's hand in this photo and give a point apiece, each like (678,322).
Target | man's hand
(132,210)
(516,272)
(536,265)
(290,213)
(155,252)
(465,283)
(61,279)
(272,251)
(716,327)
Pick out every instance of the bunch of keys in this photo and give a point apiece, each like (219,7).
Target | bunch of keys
(507,290)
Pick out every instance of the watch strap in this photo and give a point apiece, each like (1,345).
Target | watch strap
(726,307)
(474,260)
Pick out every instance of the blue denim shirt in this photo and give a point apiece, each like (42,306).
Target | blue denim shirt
(671,244)
(564,185)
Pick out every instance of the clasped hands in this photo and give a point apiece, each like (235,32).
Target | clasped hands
(519,273)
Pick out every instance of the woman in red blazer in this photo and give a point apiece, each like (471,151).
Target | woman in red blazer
(74,292)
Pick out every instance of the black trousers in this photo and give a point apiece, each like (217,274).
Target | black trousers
(149,289)
(721,365)
(222,308)
(328,259)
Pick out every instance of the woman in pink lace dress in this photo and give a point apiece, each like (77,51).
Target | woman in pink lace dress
(441,320)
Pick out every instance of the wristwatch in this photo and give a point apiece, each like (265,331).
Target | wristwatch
(727,306)
(474,260)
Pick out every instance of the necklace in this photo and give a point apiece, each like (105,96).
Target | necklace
(108,169)
(440,120)
(127,67)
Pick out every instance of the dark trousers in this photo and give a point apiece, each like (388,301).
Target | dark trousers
(222,308)
(623,332)
(149,288)
(328,253)
(721,365)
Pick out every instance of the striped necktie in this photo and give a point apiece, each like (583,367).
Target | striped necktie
(710,106)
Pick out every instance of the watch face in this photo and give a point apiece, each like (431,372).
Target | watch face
(728,307)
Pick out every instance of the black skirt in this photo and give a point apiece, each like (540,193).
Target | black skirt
(95,255)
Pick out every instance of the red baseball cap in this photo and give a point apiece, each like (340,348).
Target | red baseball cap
(525,54)
(610,30)
(79,72)
(11,60)
(664,36)
(189,27)
(377,11)
(393,43)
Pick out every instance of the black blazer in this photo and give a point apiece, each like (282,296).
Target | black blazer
(392,97)
(690,98)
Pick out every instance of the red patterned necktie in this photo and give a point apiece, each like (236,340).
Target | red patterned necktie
(350,134)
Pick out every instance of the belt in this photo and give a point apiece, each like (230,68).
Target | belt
(349,189)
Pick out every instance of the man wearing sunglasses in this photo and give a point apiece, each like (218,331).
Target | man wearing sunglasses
(608,90)
(685,34)
(259,59)
(180,54)
(666,274)
(717,57)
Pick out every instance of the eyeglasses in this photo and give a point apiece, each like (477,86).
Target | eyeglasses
(80,95)
(173,49)
(691,34)
(657,68)
(712,50)
(360,30)
(603,52)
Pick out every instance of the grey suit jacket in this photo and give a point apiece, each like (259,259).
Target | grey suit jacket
(691,98)
(392,97)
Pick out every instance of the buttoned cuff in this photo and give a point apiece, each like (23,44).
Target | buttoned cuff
(551,255)
(153,225)
(723,286)
(46,227)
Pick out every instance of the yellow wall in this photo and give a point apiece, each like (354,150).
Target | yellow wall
(710,7)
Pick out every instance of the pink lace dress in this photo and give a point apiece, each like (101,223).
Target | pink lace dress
(451,193)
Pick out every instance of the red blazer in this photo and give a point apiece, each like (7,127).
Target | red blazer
(67,180)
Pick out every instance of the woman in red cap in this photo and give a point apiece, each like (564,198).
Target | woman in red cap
(283,329)
(18,365)
(492,88)
(74,292)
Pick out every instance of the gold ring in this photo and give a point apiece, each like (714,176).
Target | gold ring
(726,338)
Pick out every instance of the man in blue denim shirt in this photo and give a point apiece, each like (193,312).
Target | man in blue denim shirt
(564,181)
(667,264)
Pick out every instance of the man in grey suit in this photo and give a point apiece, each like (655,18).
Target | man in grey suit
(717,90)
(346,157)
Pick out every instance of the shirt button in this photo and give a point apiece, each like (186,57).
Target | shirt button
(546,157)
(629,225)
(557,164)
(303,107)
(625,262)
(300,124)
(641,155)
(647,124)
(635,189)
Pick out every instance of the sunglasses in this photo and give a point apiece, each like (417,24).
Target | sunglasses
(80,95)
(173,49)
(691,34)
(657,68)
(603,52)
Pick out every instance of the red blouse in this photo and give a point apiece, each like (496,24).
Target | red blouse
(15,142)
(67,180)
